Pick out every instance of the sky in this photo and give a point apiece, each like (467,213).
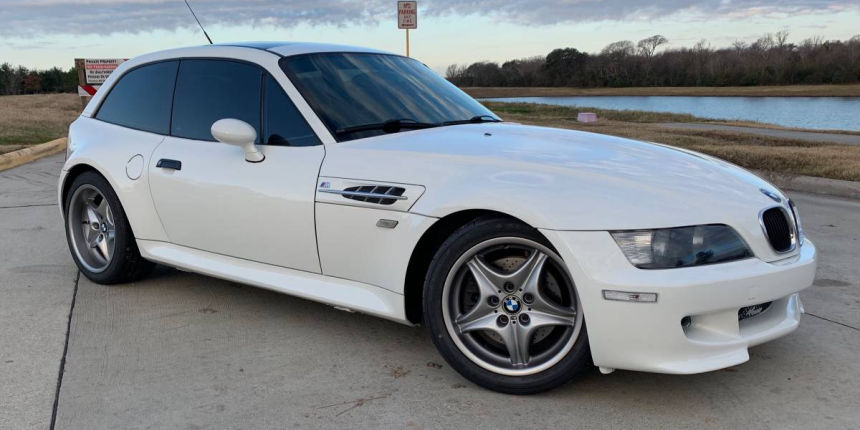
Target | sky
(47,33)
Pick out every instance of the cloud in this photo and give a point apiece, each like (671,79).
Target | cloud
(34,17)
(38,17)
(559,11)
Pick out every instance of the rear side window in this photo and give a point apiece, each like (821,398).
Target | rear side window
(209,90)
(141,99)
(283,123)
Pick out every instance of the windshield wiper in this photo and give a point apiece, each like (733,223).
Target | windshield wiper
(390,126)
(473,120)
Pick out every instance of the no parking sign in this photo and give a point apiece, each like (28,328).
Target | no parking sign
(407,18)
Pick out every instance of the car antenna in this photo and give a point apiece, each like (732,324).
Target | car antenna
(198,22)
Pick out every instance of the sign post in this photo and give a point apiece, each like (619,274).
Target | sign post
(92,73)
(407,18)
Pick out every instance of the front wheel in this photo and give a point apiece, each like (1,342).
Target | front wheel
(503,310)
(98,232)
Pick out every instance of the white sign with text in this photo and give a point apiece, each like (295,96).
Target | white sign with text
(97,70)
(407,14)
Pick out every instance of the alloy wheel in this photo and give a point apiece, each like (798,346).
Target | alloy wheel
(511,307)
(92,228)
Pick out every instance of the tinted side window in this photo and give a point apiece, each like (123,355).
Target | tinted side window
(209,90)
(141,99)
(283,123)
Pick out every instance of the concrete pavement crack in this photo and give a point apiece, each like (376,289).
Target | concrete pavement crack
(65,351)
(834,322)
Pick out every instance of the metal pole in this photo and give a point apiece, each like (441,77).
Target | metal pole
(407,42)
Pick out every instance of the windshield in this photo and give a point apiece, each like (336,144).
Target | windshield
(360,95)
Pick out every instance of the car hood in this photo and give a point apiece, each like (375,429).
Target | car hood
(554,178)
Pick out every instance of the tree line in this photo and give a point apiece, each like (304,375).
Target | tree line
(770,60)
(20,80)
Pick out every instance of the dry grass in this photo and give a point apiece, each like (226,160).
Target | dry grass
(9,148)
(568,112)
(757,152)
(850,90)
(32,119)
(776,127)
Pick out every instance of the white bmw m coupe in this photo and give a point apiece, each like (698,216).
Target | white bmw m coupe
(364,180)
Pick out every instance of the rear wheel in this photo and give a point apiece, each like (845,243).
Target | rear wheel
(98,233)
(503,309)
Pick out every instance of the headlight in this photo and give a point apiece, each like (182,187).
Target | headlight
(681,247)
(797,224)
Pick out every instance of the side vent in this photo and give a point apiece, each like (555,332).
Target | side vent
(368,193)
(374,194)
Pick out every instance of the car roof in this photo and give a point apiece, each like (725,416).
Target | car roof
(225,50)
(286,49)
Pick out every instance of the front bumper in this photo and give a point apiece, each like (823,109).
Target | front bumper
(650,337)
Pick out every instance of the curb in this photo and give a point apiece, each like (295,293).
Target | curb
(35,152)
(813,185)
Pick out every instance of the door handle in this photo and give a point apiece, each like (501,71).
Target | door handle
(166,163)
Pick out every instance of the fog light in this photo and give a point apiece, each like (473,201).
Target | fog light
(626,296)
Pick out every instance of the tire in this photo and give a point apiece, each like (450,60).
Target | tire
(543,342)
(98,233)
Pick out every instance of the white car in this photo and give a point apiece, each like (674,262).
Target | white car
(364,180)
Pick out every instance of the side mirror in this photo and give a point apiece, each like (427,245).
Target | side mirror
(240,133)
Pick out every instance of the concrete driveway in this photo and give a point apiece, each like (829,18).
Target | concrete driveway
(180,350)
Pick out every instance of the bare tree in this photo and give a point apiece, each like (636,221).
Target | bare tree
(702,46)
(620,48)
(648,45)
(813,42)
(453,72)
(781,38)
(763,43)
(854,51)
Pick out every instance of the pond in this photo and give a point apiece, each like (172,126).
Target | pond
(820,113)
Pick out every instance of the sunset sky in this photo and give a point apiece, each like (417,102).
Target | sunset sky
(46,33)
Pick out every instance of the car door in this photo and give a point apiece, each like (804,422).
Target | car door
(208,197)
(131,121)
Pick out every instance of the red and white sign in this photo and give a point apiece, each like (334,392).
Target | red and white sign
(87,90)
(407,14)
(97,70)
